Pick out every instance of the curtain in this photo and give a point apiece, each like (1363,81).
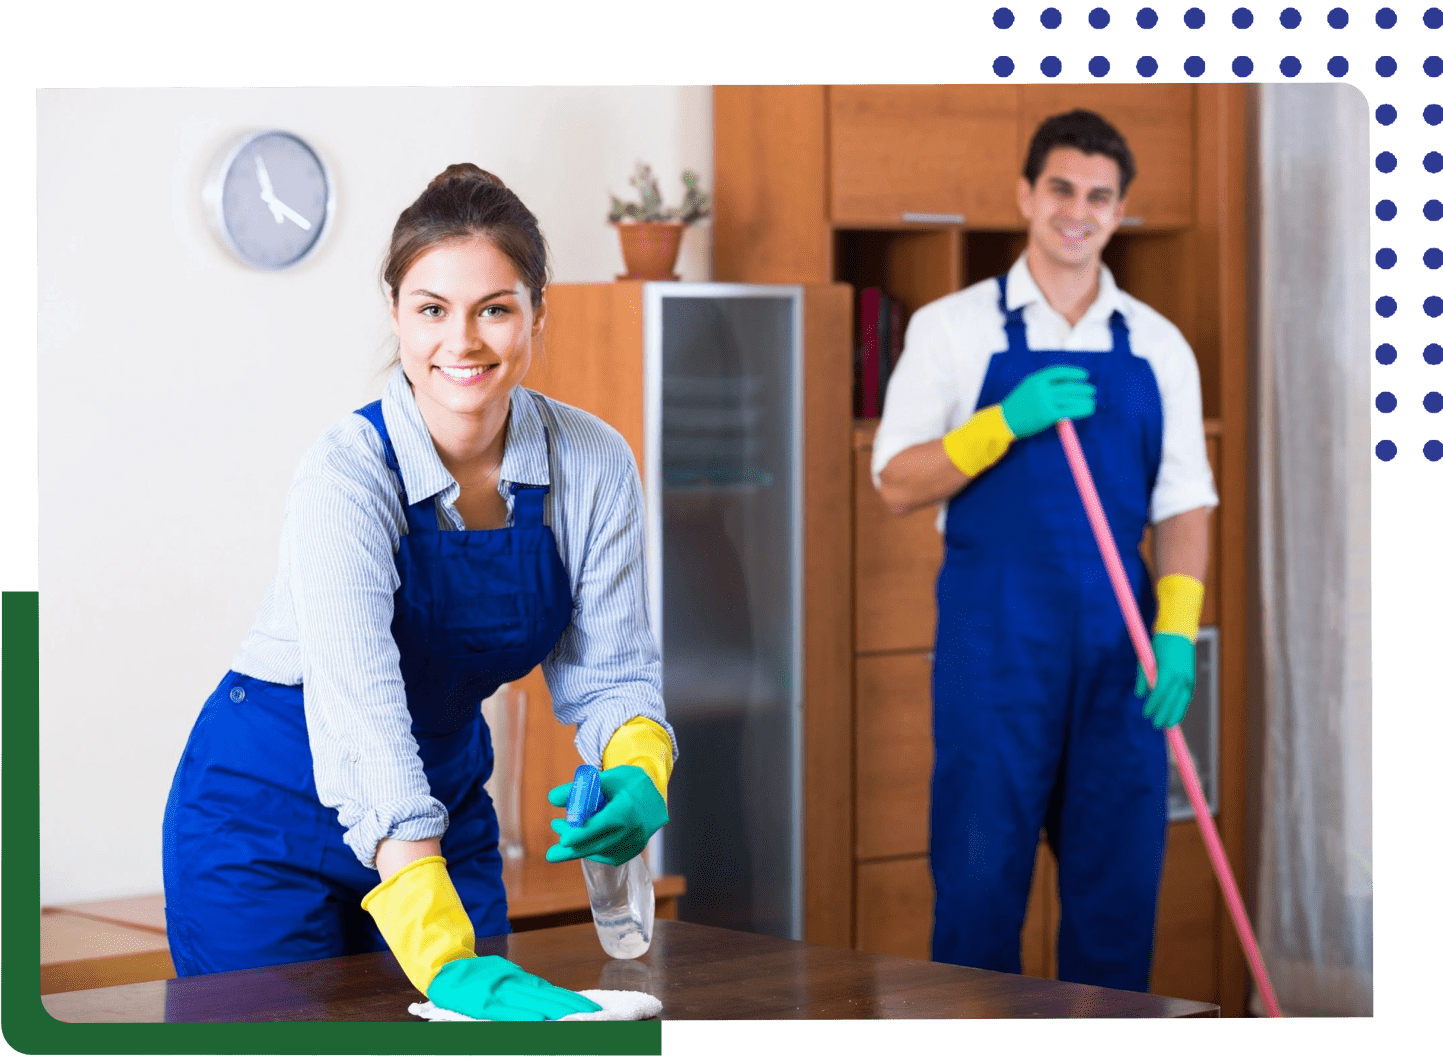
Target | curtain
(1314,887)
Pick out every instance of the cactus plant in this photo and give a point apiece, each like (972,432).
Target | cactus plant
(695,205)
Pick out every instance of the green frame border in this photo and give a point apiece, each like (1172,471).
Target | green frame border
(88,44)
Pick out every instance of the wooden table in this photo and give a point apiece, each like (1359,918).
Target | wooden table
(697,972)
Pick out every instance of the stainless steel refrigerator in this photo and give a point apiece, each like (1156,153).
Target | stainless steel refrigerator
(723,463)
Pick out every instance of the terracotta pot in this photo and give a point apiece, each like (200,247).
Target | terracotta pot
(649,249)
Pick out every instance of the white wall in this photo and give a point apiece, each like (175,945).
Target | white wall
(177,388)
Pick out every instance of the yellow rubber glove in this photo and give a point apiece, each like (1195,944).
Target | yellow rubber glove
(1179,605)
(643,743)
(980,442)
(421,917)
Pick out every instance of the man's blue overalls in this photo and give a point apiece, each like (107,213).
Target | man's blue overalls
(256,872)
(1035,722)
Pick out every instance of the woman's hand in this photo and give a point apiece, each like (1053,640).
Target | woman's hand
(619,830)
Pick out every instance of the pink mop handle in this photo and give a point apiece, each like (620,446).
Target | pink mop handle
(1143,645)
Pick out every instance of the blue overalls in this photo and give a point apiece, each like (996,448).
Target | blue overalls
(1034,720)
(256,871)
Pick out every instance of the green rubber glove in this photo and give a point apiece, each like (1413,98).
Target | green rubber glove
(1176,676)
(1047,395)
(489,987)
(619,830)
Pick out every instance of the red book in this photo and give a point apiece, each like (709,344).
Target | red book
(871,352)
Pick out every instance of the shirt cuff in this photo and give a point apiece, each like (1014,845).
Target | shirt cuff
(409,819)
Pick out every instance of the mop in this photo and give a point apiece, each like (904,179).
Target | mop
(1138,632)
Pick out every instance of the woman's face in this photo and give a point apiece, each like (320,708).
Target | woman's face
(465,326)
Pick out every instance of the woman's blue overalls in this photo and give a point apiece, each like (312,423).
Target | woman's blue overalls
(1034,720)
(256,872)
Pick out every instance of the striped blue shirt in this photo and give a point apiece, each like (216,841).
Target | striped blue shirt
(325,622)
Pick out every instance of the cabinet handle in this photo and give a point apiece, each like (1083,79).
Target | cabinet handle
(1130,222)
(934,218)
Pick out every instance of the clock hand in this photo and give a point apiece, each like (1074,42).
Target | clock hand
(265,179)
(277,204)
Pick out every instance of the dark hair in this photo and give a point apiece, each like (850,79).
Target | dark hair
(1087,132)
(465,201)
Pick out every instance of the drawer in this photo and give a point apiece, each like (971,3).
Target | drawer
(893,753)
(897,559)
(930,149)
(894,907)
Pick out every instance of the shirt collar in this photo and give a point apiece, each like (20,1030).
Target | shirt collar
(423,474)
(1022,290)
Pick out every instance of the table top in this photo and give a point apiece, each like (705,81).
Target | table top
(697,972)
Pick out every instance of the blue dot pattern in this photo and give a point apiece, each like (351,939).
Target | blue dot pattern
(1255,56)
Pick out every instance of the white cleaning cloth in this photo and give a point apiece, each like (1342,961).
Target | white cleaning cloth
(617,1005)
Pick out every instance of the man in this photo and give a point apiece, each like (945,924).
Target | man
(1041,716)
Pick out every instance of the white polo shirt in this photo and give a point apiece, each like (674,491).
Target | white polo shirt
(950,341)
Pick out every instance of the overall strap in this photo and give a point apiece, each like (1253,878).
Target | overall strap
(1121,343)
(528,502)
(422,515)
(1013,325)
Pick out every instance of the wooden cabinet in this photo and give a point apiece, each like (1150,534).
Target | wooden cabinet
(1156,121)
(811,186)
(901,150)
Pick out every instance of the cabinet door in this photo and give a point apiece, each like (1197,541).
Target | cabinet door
(948,149)
(1157,122)
(894,907)
(897,560)
(894,753)
(1185,947)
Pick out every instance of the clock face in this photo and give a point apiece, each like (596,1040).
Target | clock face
(274,200)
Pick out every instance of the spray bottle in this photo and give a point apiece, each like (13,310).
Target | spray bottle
(623,903)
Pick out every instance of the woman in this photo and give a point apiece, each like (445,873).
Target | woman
(437,543)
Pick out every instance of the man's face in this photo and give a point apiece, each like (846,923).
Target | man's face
(1073,208)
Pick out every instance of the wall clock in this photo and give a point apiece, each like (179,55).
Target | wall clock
(270,199)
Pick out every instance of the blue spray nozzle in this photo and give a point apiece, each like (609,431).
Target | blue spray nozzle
(585,797)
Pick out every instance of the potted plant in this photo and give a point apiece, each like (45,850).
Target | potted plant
(650,231)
